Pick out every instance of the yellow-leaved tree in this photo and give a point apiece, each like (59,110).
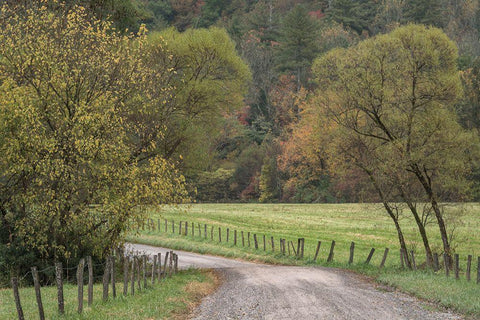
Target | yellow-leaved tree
(71,105)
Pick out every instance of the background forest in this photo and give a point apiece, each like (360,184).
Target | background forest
(260,150)
(240,137)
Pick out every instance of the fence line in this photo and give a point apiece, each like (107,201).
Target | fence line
(109,277)
(287,247)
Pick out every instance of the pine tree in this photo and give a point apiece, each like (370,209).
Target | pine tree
(298,45)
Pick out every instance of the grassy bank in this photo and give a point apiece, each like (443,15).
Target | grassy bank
(366,225)
(173,298)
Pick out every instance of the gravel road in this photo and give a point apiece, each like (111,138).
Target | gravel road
(256,291)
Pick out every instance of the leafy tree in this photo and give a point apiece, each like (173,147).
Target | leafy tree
(208,81)
(392,97)
(214,186)
(70,180)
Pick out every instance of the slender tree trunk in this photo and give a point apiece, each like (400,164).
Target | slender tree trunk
(421,227)
(388,208)
(426,183)
(401,238)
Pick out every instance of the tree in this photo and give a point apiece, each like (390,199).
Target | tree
(392,96)
(357,15)
(70,180)
(298,47)
(428,12)
(207,80)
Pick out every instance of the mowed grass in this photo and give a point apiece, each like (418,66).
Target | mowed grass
(173,298)
(365,224)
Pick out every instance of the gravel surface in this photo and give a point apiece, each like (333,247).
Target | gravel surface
(255,291)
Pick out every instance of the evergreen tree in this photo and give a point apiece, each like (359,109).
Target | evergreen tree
(269,181)
(428,12)
(357,15)
(298,47)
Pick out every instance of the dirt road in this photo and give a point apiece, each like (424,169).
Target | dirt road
(255,291)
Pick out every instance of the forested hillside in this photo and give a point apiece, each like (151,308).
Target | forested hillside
(256,142)
(264,150)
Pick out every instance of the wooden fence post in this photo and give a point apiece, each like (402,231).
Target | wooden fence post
(382,264)
(173,226)
(282,241)
(132,280)
(330,255)
(59,280)
(255,241)
(457,266)
(106,278)
(166,225)
(205,231)
(211,233)
(16,295)
(288,243)
(159,269)
(317,250)
(165,262)
(228,234)
(186,228)
(80,268)
(219,234)
(478,270)
(414,264)
(193,229)
(436,264)
(264,244)
(36,283)
(139,277)
(248,238)
(175,263)
(170,266)
(298,246)
(125,275)
(352,250)
(90,281)
(144,269)
(199,230)
(273,243)
(180,228)
(469,267)
(370,255)
(243,239)
(235,237)
(446,263)
(154,268)
(112,276)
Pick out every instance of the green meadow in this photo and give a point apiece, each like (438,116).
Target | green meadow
(365,224)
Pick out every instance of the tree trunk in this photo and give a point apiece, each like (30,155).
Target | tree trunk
(388,208)
(421,228)
(426,183)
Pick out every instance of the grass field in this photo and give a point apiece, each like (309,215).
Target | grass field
(365,224)
(172,298)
